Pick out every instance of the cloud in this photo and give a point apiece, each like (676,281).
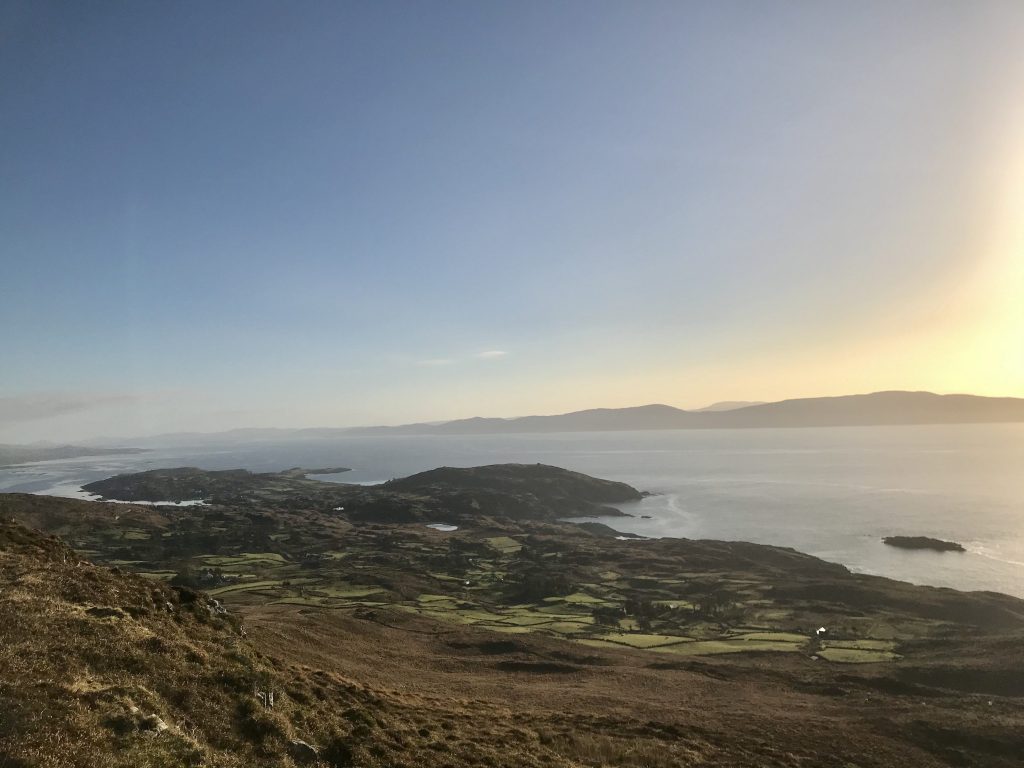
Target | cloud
(44,405)
(436,362)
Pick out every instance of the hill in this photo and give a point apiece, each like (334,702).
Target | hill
(528,491)
(877,409)
(102,667)
(729,405)
(598,419)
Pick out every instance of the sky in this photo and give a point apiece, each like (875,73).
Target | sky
(216,215)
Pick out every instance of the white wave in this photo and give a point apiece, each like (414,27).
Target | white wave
(73,491)
(982,550)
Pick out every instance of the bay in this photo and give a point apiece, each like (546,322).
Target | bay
(830,492)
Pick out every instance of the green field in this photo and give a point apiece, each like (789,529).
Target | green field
(464,580)
(861,645)
(712,647)
(245,559)
(504,544)
(639,640)
(341,590)
(226,590)
(857,656)
(782,637)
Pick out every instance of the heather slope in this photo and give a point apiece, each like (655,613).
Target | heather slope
(103,667)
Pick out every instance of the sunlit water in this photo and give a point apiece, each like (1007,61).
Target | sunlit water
(831,492)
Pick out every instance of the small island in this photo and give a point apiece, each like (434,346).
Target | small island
(923,542)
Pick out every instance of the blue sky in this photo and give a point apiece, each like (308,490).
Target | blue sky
(253,214)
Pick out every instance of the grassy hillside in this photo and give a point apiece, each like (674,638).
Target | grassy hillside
(105,668)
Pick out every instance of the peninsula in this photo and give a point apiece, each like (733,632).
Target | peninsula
(11,455)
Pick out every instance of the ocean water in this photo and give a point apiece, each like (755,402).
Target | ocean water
(833,493)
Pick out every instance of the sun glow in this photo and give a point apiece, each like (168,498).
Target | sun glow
(1000,346)
(976,340)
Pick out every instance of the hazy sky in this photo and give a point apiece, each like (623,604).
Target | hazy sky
(293,214)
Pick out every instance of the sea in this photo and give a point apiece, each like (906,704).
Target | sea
(831,492)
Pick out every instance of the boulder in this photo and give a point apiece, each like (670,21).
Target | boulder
(302,752)
(102,612)
(153,723)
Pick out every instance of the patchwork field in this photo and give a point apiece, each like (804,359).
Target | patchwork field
(528,581)
(319,549)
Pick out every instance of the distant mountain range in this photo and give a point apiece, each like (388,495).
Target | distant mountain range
(877,409)
(729,405)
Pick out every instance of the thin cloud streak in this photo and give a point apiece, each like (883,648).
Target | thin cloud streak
(436,362)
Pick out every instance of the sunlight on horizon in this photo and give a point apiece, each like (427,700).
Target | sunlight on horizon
(998,346)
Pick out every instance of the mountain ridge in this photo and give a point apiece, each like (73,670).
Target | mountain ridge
(887,408)
(728,405)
